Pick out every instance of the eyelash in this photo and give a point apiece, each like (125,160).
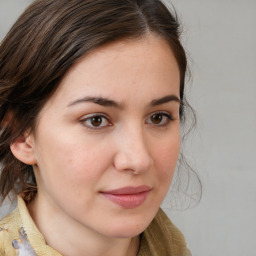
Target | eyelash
(90,119)
(165,119)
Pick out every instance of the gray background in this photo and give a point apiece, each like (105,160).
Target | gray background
(220,38)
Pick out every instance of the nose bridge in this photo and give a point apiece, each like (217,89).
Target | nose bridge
(133,150)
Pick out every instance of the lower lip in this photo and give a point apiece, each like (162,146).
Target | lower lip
(128,201)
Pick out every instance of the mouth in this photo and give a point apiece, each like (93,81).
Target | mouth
(128,197)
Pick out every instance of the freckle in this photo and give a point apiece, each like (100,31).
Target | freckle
(70,160)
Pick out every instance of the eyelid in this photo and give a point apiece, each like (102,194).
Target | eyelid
(164,114)
(85,118)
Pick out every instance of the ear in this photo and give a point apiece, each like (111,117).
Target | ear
(22,148)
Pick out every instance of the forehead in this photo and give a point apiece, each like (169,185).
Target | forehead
(125,68)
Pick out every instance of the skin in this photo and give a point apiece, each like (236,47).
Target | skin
(74,160)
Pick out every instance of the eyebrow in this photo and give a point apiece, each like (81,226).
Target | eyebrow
(111,103)
(165,99)
(97,100)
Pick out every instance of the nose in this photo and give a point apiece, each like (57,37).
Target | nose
(133,152)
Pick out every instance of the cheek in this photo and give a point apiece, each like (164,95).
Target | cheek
(77,170)
(71,163)
(166,156)
(81,167)
(89,160)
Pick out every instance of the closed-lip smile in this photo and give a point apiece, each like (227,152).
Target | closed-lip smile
(128,197)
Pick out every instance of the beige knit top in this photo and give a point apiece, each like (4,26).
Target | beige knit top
(19,236)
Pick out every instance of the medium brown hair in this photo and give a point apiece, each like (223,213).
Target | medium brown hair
(47,39)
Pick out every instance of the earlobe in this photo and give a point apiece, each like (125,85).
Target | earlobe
(22,149)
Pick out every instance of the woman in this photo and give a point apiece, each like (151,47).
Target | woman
(92,96)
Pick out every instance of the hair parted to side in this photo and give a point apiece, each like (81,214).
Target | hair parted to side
(47,39)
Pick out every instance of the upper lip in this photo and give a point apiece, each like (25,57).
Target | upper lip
(130,190)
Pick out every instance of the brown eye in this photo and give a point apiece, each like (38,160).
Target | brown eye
(96,121)
(157,118)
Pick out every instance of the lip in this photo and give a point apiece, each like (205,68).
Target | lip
(128,197)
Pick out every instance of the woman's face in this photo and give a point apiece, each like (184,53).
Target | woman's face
(106,144)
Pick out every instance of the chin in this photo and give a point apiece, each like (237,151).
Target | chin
(129,228)
(125,232)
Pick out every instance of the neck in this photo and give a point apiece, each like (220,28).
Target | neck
(71,238)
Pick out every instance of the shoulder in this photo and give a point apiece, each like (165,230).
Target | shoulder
(163,238)
(9,232)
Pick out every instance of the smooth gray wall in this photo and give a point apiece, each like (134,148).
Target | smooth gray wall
(220,38)
(9,12)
